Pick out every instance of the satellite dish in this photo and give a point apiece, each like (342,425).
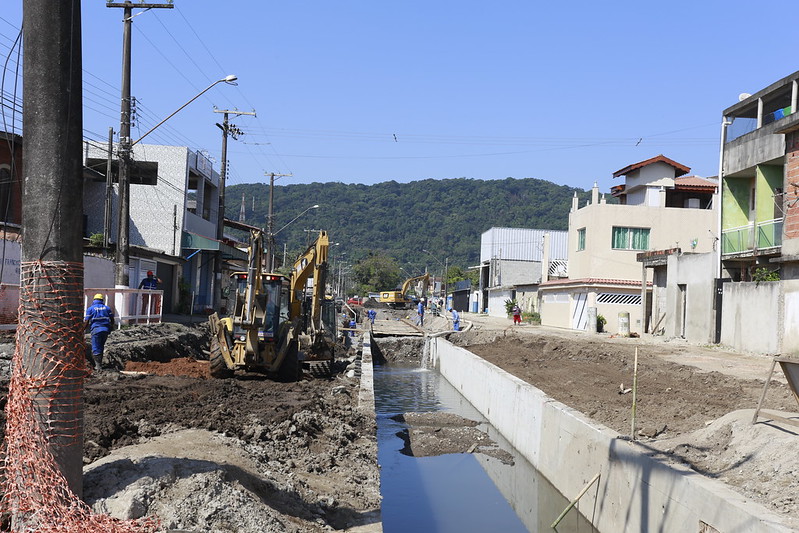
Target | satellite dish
(743,96)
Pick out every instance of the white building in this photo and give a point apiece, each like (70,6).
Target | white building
(511,265)
(174,202)
(659,209)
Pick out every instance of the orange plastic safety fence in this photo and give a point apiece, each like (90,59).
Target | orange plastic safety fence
(44,412)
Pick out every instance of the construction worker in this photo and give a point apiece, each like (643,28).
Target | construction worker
(420,313)
(100,320)
(150,302)
(456,319)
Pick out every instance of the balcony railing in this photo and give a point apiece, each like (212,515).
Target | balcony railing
(752,237)
(769,234)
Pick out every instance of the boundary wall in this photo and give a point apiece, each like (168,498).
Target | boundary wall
(636,492)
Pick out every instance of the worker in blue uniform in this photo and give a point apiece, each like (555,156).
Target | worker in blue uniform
(99,320)
(456,319)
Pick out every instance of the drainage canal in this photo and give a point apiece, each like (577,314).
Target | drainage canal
(441,474)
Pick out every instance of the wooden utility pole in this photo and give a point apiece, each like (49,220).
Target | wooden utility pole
(231,130)
(50,331)
(122,259)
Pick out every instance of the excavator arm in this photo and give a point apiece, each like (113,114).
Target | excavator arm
(311,262)
(424,278)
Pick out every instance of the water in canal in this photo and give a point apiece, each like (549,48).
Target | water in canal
(463,492)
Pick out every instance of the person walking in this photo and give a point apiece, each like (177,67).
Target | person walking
(99,320)
(420,313)
(517,314)
(456,319)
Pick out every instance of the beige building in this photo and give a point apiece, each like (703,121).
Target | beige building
(660,208)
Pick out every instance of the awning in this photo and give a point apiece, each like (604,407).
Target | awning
(192,241)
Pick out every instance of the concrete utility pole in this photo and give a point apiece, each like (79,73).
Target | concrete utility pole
(270,236)
(109,188)
(123,229)
(51,286)
(232,131)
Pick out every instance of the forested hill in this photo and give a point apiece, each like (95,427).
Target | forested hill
(445,217)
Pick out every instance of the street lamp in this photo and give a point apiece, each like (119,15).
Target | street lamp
(229,79)
(270,260)
(122,258)
(446,270)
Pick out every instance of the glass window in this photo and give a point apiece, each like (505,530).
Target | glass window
(630,238)
(581,239)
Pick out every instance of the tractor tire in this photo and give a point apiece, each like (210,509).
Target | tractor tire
(217,366)
(290,370)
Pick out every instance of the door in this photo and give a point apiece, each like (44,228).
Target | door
(681,308)
(580,311)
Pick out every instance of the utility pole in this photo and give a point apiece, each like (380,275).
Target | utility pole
(109,187)
(270,237)
(122,258)
(52,364)
(231,130)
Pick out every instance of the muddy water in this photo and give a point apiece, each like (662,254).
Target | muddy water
(460,493)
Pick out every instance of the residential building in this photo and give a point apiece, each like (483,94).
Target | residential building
(174,202)
(760,218)
(10,184)
(660,208)
(512,265)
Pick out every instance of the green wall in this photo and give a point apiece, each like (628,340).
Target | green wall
(768,178)
(735,202)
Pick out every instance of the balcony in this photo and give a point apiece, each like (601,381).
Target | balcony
(753,239)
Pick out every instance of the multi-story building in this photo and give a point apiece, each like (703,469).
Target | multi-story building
(760,218)
(660,208)
(174,202)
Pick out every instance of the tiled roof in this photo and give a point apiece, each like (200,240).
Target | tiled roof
(681,169)
(593,281)
(693,182)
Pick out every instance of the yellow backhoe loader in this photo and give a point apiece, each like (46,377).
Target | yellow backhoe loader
(267,326)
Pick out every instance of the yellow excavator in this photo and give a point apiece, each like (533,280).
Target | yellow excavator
(317,312)
(267,327)
(399,299)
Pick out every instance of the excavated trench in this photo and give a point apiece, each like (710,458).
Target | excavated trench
(443,466)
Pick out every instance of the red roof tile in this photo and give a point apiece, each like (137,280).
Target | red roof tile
(694,182)
(681,169)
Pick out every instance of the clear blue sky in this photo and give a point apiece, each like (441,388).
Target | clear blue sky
(563,91)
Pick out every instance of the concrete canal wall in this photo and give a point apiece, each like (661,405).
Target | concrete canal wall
(635,493)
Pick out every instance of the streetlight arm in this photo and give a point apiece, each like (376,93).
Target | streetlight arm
(226,79)
(295,218)
(434,257)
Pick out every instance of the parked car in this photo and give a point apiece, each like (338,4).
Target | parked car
(339,303)
(354,300)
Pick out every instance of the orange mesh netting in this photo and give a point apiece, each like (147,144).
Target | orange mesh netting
(44,427)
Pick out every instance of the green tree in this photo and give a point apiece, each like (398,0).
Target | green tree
(377,272)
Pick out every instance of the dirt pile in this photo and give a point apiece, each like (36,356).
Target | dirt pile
(233,455)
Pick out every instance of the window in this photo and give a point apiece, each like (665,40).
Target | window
(581,239)
(630,238)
